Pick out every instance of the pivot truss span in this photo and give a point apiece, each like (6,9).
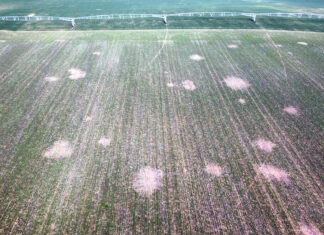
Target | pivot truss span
(162,16)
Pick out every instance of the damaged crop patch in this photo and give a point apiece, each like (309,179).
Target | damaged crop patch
(273,173)
(309,230)
(214,170)
(196,57)
(52,79)
(236,83)
(241,101)
(265,145)
(188,85)
(291,110)
(60,149)
(88,119)
(104,141)
(232,46)
(170,84)
(147,180)
(76,74)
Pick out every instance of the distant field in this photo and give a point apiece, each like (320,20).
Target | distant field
(294,24)
(75,8)
(97,7)
(161,131)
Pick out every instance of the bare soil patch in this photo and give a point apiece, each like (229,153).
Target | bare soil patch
(309,230)
(241,101)
(188,85)
(76,74)
(196,57)
(302,43)
(265,145)
(104,141)
(236,83)
(88,119)
(273,173)
(60,149)
(291,110)
(214,169)
(147,180)
(51,79)
(170,84)
(232,46)
(168,42)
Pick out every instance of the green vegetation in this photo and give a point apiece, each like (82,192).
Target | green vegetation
(74,8)
(127,96)
(100,7)
(316,25)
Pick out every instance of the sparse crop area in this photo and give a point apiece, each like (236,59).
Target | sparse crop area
(161,131)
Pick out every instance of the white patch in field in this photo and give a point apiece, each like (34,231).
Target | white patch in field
(278,45)
(273,173)
(2,41)
(76,74)
(96,53)
(60,149)
(104,141)
(196,57)
(236,83)
(88,119)
(31,14)
(309,230)
(265,145)
(188,85)
(51,79)
(60,40)
(302,43)
(170,84)
(147,180)
(214,170)
(167,42)
(291,110)
(290,53)
(242,101)
(166,72)
(232,46)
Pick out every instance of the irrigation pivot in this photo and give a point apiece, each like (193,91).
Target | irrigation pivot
(73,23)
(164,17)
(165,21)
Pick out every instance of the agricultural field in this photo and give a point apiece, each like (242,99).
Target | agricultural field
(78,8)
(162,131)
(100,7)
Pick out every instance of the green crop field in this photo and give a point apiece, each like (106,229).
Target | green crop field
(77,8)
(161,132)
(97,7)
(203,125)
